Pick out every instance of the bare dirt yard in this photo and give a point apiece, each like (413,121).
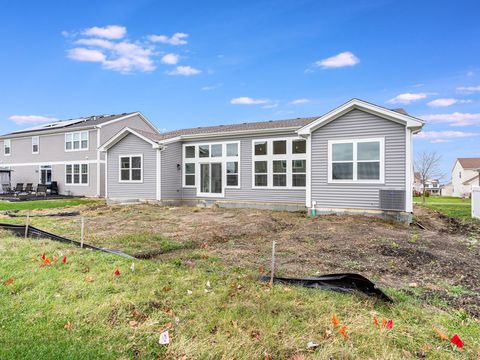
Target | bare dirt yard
(438,261)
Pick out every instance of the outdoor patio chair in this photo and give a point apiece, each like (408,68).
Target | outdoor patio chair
(41,190)
(54,188)
(7,189)
(28,188)
(18,189)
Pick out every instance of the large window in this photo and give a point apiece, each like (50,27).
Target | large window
(356,160)
(131,168)
(35,144)
(76,141)
(211,167)
(279,163)
(7,147)
(76,174)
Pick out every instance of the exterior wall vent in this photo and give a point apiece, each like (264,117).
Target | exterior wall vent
(392,199)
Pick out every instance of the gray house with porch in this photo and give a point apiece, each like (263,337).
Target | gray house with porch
(356,158)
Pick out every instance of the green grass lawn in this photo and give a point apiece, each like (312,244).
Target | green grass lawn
(44,204)
(442,199)
(82,311)
(451,206)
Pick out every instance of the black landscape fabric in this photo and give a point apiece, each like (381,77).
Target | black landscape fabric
(337,282)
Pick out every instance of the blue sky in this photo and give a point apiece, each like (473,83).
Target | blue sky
(192,63)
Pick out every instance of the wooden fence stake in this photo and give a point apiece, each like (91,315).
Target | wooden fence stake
(27,225)
(272,274)
(82,232)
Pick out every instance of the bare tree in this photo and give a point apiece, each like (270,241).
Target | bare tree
(427,165)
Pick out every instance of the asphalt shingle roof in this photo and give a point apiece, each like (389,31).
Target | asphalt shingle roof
(262,125)
(71,123)
(470,163)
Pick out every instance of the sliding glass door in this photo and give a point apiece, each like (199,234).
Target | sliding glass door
(211,178)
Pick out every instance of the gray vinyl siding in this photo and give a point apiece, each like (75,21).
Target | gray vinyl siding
(245,193)
(171,175)
(31,174)
(52,148)
(134,122)
(357,124)
(132,145)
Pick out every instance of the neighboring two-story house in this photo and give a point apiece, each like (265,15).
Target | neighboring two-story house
(465,174)
(66,152)
(432,186)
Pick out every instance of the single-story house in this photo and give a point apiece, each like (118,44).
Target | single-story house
(357,158)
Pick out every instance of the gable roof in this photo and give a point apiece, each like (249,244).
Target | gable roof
(74,124)
(396,115)
(469,163)
(150,138)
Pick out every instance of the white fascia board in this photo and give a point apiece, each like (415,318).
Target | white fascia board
(123,133)
(407,120)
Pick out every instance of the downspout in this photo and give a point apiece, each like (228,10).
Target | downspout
(98,163)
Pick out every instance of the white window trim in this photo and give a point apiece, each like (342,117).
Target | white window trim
(80,174)
(9,141)
(40,172)
(38,144)
(130,169)
(355,142)
(197,160)
(80,135)
(270,157)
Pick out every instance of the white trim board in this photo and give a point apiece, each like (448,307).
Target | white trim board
(55,162)
(130,156)
(355,161)
(224,159)
(270,157)
(122,134)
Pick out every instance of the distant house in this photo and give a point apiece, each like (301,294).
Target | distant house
(65,152)
(465,174)
(356,158)
(432,186)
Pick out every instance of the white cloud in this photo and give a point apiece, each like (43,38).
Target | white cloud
(340,60)
(245,100)
(107,32)
(470,73)
(447,102)
(175,39)
(106,44)
(108,47)
(211,87)
(454,119)
(469,89)
(170,59)
(418,85)
(444,136)
(123,56)
(89,55)
(31,119)
(407,98)
(184,70)
(299,101)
